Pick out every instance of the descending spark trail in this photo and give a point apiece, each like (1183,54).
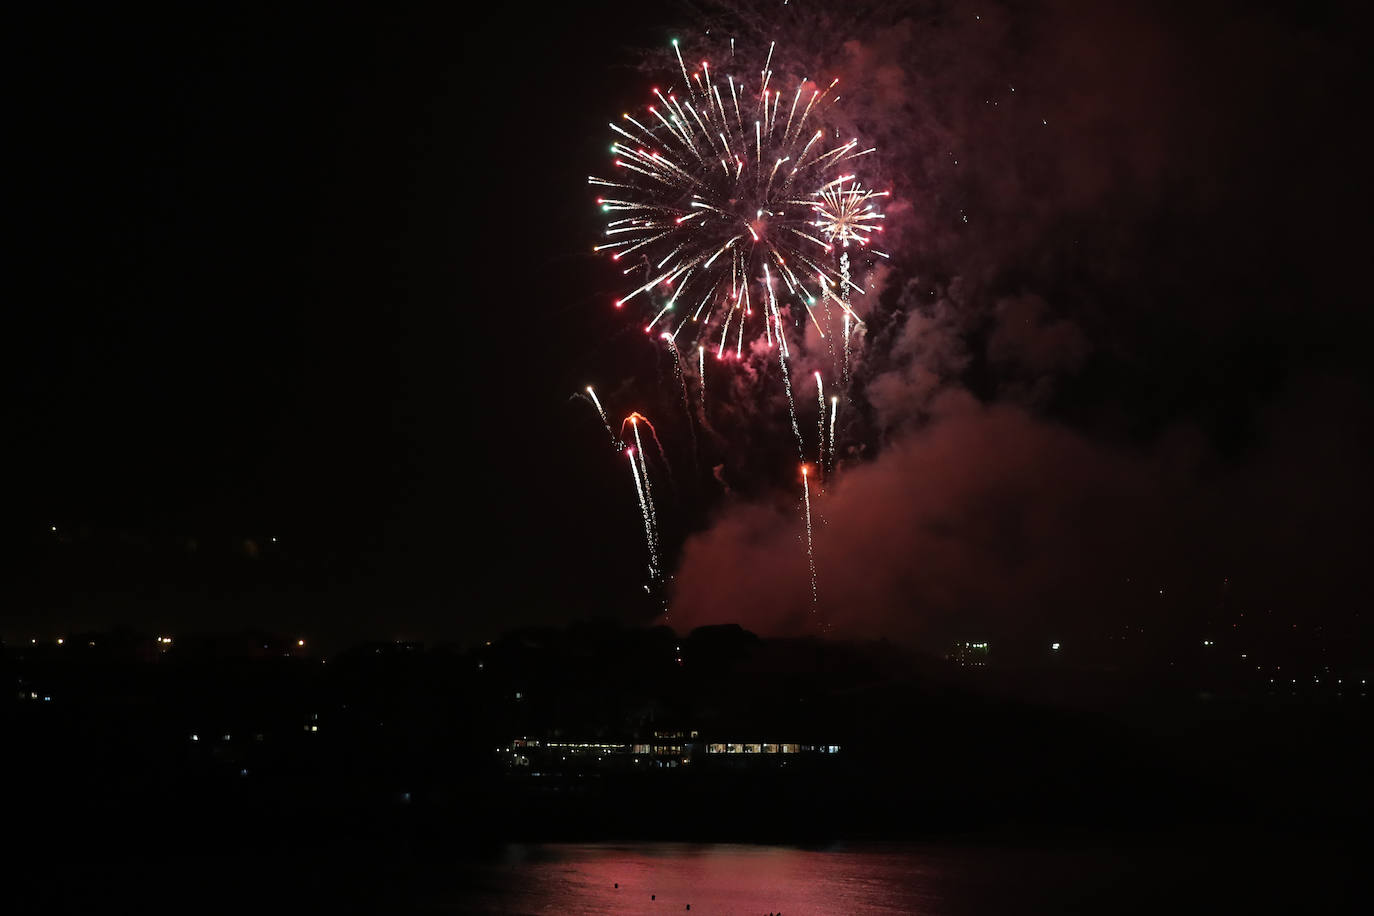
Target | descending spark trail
(648,494)
(649,538)
(605,421)
(844,287)
(791,404)
(810,552)
(844,378)
(715,203)
(681,373)
(830,338)
(834,408)
(648,488)
(820,422)
(681,377)
(701,375)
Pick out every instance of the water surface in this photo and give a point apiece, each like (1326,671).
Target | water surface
(933,880)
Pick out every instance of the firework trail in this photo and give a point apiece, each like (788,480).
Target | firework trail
(844,280)
(830,338)
(633,420)
(820,421)
(772,308)
(834,408)
(650,540)
(679,369)
(791,404)
(605,421)
(712,196)
(701,375)
(844,377)
(810,552)
(680,372)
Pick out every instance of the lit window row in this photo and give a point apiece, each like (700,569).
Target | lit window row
(730,748)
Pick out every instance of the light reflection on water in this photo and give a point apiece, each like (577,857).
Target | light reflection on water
(1187,870)
(713,879)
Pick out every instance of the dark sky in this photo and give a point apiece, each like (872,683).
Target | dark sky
(327,279)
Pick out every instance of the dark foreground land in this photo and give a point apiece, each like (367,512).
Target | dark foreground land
(224,767)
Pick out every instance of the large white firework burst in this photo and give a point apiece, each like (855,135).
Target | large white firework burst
(725,188)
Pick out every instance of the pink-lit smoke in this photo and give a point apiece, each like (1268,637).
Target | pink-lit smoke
(1054,399)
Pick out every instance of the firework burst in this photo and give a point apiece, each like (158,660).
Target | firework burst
(732,207)
(846,212)
(718,191)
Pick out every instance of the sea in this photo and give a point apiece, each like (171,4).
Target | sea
(1226,873)
(1186,871)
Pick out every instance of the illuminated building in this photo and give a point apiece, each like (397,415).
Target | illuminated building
(659,750)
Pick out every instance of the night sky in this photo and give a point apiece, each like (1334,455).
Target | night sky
(328,280)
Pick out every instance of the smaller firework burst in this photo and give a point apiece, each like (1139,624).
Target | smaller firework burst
(845,212)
